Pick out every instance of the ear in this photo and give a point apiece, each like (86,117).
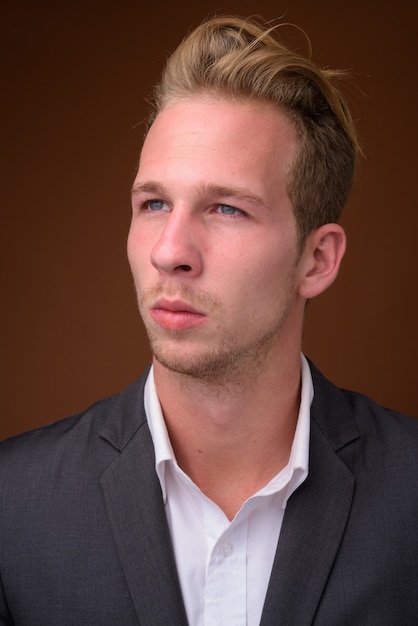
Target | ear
(321,259)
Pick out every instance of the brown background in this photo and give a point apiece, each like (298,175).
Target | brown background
(73,90)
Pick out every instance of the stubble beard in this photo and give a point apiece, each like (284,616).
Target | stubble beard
(224,363)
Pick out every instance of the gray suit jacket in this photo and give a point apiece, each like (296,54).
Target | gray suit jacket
(84,538)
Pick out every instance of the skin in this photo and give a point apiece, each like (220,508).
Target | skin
(222,287)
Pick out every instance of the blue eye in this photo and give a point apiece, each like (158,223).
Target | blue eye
(226,209)
(155,205)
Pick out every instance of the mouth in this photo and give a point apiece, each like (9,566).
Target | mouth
(176,315)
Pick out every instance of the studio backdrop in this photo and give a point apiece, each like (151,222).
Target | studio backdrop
(74,86)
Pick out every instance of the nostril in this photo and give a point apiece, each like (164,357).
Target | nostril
(185,268)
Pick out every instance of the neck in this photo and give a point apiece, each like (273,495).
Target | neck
(232,437)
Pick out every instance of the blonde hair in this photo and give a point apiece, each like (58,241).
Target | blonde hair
(243,59)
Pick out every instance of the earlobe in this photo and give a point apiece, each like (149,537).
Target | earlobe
(321,259)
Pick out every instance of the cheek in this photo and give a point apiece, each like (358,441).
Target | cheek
(138,243)
(137,255)
(130,248)
(267,281)
(267,267)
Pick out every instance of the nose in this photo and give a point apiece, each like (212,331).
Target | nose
(176,250)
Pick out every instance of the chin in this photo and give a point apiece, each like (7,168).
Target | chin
(225,363)
(207,366)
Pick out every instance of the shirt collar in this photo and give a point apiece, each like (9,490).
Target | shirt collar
(292,475)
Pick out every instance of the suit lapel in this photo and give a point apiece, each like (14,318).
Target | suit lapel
(316,515)
(136,512)
(312,530)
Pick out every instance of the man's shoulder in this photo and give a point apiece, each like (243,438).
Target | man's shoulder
(346,416)
(114,419)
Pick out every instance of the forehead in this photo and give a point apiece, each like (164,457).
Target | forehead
(225,120)
(217,141)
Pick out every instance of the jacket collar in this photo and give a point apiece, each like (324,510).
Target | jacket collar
(316,514)
(136,512)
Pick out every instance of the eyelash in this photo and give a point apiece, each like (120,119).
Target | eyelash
(236,212)
(147,206)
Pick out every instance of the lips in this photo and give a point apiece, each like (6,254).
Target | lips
(176,315)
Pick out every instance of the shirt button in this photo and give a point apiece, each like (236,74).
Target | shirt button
(227,549)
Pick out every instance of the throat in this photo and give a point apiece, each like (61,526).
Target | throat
(230,495)
(229,473)
(231,441)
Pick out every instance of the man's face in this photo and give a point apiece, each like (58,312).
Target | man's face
(213,239)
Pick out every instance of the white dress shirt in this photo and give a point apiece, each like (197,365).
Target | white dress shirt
(224,566)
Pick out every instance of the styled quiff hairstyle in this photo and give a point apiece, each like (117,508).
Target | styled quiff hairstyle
(243,60)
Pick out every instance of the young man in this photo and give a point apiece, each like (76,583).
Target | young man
(232,484)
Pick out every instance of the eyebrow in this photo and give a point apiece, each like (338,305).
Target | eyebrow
(232,192)
(148,187)
(208,189)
